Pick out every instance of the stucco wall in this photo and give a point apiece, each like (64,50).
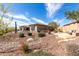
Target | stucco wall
(71,27)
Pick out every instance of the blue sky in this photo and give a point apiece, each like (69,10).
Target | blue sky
(30,13)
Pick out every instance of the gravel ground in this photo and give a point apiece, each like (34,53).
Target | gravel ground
(10,46)
(49,44)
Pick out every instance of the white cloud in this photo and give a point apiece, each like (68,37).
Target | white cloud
(23,17)
(12,23)
(55,20)
(20,16)
(19,23)
(59,20)
(62,21)
(38,20)
(52,8)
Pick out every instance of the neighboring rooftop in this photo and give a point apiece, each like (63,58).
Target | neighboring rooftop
(38,24)
(70,23)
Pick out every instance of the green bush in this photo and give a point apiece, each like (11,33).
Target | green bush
(7,30)
(26,49)
(21,34)
(72,49)
(40,53)
(60,30)
(41,34)
(29,34)
(49,32)
(53,26)
(1,33)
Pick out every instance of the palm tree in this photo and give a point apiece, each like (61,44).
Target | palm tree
(73,15)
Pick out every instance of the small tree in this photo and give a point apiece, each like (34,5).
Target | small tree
(4,9)
(53,26)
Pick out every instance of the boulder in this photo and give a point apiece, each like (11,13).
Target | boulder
(30,39)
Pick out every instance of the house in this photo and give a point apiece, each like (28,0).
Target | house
(35,27)
(40,27)
(24,28)
(71,27)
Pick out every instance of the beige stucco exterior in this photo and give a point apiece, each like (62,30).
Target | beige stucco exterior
(70,27)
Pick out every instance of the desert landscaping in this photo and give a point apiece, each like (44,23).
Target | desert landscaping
(56,44)
(39,30)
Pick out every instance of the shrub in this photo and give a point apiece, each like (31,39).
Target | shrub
(49,32)
(72,50)
(60,30)
(10,29)
(53,26)
(7,30)
(77,34)
(51,29)
(29,34)
(41,34)
(26,49)
(40,53)
(1,33)
(21,34)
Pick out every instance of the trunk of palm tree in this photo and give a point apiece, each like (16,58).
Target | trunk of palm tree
(15,27)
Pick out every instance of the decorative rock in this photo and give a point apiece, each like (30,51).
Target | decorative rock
(30,39)
(36,50)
